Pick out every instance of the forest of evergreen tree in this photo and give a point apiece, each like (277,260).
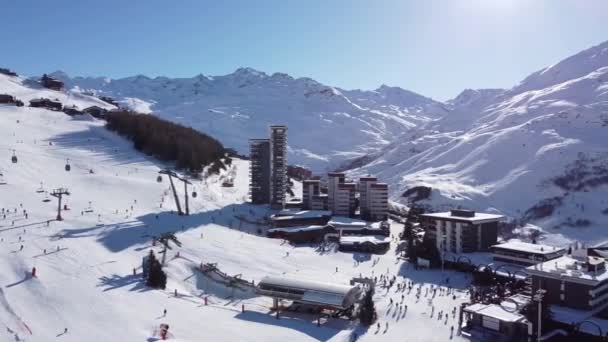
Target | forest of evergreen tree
(189,149)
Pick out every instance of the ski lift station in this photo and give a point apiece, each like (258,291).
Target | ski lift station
(323,295)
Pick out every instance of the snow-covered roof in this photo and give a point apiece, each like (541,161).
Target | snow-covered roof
(346,221)
(494,311)
(528,247)
(288,214)
(568,267)
(296,229)
(375,239)
(306,284)
(476,218)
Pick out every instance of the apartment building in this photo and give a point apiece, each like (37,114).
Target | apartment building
(259,171)
(462,231)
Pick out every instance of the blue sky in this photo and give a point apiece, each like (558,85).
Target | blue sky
(434,47)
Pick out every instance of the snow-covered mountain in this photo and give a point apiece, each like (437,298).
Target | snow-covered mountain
(327,125)
(88,284)
(538,151)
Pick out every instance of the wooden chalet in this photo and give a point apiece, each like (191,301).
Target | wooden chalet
(46,103)
(95,111)
(51,83)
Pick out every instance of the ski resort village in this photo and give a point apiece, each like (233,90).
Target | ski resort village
(254,206)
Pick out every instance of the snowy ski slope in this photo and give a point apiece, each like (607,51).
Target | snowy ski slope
(84,264)
(508,151)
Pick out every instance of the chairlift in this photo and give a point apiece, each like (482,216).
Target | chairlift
(2,181)
(14,157)
(159,179)
(46,197)
(194,194)
(89,209)
(40,189)
(67,165)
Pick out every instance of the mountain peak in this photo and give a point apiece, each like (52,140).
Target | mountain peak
(575,66)
(247,71)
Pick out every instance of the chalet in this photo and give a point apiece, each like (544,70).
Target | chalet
(71,111)
(523,253)
(5,98)
(378,244)
(95,111)
(51,83)
(461,231)
(291,218)
(7,72)
(319,294)
(46,103)
(350,226)
(109,100)
(302,234)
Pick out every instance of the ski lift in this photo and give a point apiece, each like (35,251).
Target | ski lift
(46,197)
(2,181)
(40,189)
(14,157)
(89,209)
(194,194)
(159,179)
(67,165)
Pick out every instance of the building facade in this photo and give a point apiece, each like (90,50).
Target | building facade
(577,281)
(523,253)
(344,200)
(333,180)
(461,231)
(310,189)
(377,206)
(259,171)
(278,171)
(364,197)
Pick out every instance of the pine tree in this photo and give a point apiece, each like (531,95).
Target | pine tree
(156,276)
(408,235)
(367,312)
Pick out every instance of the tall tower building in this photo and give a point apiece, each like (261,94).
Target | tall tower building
(340,195)
(259,172)
(373,199)
(278,169)
(333,179)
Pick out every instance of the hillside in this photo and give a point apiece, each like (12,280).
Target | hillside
(241,105)
(536,152)
(84,264)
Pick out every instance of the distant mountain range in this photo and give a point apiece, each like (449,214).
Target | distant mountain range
(327,125)
(536,152)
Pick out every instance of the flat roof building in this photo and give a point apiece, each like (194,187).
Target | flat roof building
(259,171)
(373,199)
(496,321)
(461,231)
(524,253)
(278,169)
(310,188)
(578,281)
